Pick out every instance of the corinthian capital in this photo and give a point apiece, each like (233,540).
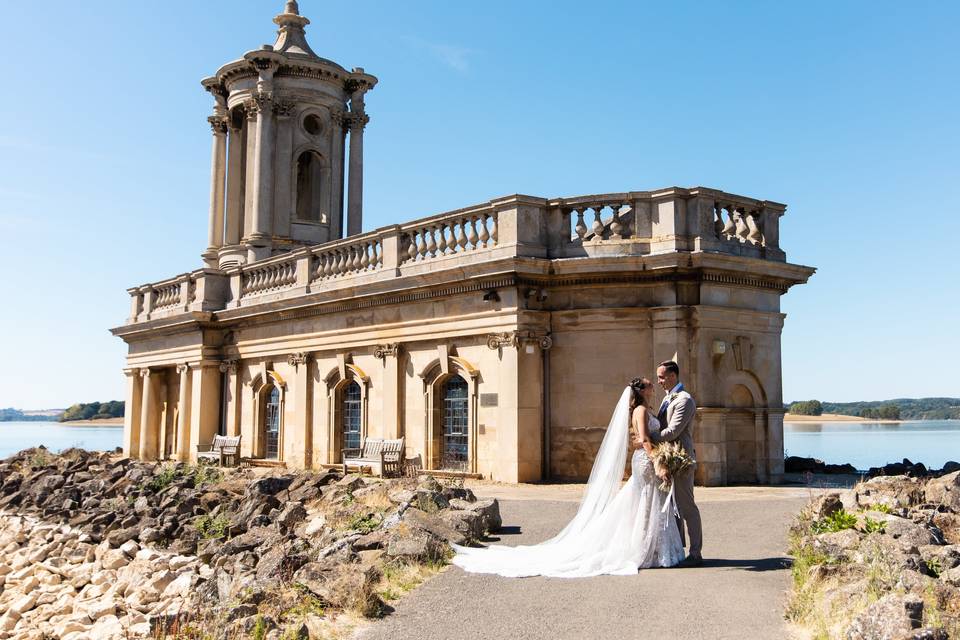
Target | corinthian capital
(228,366)
(357,121)
(218,124)
(284,108)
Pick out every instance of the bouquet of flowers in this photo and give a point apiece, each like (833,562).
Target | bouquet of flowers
(671,457)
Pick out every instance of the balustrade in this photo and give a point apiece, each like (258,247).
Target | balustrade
(451,235)
(356,257)
(607,225)
(261,278)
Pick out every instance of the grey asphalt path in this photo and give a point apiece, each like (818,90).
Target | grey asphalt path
(739,593)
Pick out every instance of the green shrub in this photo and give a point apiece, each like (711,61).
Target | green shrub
(364,522)
(206,474)
(212,528)
(874,526)
(836,521)
(160,481)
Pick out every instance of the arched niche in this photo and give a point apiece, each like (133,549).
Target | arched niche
(311,186)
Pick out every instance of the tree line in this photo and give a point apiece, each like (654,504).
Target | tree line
(897,409)
(93,411)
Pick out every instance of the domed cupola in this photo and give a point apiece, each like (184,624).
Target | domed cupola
(280,121)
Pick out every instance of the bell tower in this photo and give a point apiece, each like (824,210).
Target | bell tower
(281,120)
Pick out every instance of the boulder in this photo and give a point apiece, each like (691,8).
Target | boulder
(838,544)
(293,514)
(944,490)
(893,616)
(951,466)
(430,501)
(796,464)
(469,523)
(890,491)
(418,547)
(431,523)
(247,541)
(940,558)
(825,505)
(951,577)
(374,540)
(269,485)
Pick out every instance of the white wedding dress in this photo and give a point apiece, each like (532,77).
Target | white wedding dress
(616,531)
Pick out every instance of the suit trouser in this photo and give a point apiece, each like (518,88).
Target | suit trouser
(689,513)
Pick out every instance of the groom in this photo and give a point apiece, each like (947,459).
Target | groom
(676,421)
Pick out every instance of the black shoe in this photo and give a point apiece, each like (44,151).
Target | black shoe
(691,561)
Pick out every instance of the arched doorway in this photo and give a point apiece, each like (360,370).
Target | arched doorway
(271,424)
(455,419)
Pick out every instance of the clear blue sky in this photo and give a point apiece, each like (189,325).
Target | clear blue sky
(846,111)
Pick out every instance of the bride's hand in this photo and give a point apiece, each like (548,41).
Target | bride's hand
(663,474)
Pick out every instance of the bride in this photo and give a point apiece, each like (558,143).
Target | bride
(617,530)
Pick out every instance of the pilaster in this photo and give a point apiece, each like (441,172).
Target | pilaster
(391,392)
(183,415)
(204,403)
(300,427)
(131,417)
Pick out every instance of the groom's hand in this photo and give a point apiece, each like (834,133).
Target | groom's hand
(663,474)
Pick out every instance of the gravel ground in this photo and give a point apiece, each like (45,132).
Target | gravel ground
(738,593)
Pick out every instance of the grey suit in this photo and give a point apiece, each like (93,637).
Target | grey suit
(676,423)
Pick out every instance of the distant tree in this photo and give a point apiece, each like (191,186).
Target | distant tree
(93,410)
(807,408)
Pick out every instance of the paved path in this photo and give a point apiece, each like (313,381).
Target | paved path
(739,593)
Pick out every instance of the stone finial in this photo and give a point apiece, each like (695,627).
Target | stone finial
(291,38)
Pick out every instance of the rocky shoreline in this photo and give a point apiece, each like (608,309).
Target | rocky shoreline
(796,464)
(97,546)
(879,561)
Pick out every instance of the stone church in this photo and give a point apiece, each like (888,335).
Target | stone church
(495,339)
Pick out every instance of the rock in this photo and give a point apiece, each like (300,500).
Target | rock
(944,490)
(315,525)
(940,558)
(241,611)
(908,533)
(838,544)
(429,483)
(419,547)
(350,587)
(489,511)
(121,536)
(130,548)
(114,559)
(293,514)
(951,466)
(403,496)
(249,540)
(839,468)
(312,575)
(467,522)
(269,485)
(949,525)
(279,562)
(375,540)
(796,464)
(890,491)
(417,519)
(430,501)
(825,505)
(459,493)
(951,577)
(893,616)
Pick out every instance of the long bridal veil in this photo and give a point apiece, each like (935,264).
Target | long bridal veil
(615,531)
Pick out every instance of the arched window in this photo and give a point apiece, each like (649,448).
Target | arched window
(309,183)
(456,424)
(351,422)
(272,425)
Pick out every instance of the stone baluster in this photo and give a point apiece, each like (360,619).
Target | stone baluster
(730,227)
(755,236)
(581,226)
(718,220)
(460,237)
(431,242)
(484,235)
(411,239)
(442,239)
(616,227)
(493,230)
(741,226)
(472,237)
(597,223)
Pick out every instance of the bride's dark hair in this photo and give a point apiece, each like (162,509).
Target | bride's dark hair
(637,385)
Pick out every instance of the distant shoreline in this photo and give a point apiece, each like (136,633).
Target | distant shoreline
(836,417)
(102,422)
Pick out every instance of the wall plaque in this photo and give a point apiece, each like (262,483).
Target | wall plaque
(489,400)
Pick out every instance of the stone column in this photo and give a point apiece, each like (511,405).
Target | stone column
(148,435)
(218,171)
(204,404)
(131,415)
(234,214)
(250,151)
(183,415)
(358,121)
(259,238)
(338,121)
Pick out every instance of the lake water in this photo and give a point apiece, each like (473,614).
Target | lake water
(16,436)
(874,444)
(862,444)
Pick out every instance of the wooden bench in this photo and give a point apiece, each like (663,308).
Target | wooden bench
(384,456)
(220,449)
